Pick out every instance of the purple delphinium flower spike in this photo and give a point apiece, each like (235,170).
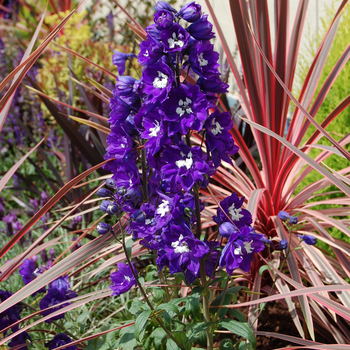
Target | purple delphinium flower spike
(59,340)
(122,280)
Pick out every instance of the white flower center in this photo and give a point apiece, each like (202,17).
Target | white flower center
(146,54)
(127,278)
(163,208)
(180,247)
(202,61)
(217,128)
(185,162)
(184,107)
(238,251)
(161,81)
(175,41)
(248,246)
(154,131)
(235,213)
(149,221)
(122,145)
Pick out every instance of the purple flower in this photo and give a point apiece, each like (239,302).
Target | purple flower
(190,12)
(186,108)
(212,84)
(120,147)
(122,280)
(186,165)
(58,292)
(103,228)
(150,52)
(238,252)
(226,229)
(201,29)
(164,19)
(29,272)
(20,339)
(11,315)
(232,207)
(162,5)
(158,80)
(147,228)
(175,38)
(284,216)
(283,244)
(203,60)
(59,340)
(308,239)
(180,250)
(119,59)
(218,138)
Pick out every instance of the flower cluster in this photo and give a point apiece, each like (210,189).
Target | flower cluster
(59,340)
(157,171)
(10,316)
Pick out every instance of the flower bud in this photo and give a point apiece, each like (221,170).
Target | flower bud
(112,209)
(190,12)
(310,240)
(283,244)
(164,19)
(102,228)
(121,190)
(111,183)
(283,215)
(201,29)
(139,216)
(104,205)
(130,194)
(293,220)
(103,192)
(226,229)
(162,5)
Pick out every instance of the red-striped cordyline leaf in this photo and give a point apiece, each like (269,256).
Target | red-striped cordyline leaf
(317,347)
(90,123)
(333,201)
(101,88)
(238,173)
(67,105)
(298,105)
(98,295)
(233,184)
(309,160)
(105,70)
(343,59)
(46,207)
(230,60)
(9,173)
(254,310)
(31,60)
(294,271)
(91,90)
(254,202)
(253,82)
(141,34)
(311,80)
(287,338)
(63,267)
(3,113)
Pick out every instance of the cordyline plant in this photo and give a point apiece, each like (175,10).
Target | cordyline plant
(176,200)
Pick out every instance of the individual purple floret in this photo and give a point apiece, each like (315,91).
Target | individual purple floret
(122,280)
(60,340)
(164,19)
(284,216)
(283,244)
(190,12)
(201,29)
(308,239)
(238,252)
(233,208)
(119,59)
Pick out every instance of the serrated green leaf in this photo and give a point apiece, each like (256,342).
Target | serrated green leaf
(140,323)
(240,328)
(226,344)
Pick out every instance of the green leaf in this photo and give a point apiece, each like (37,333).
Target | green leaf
(226,344)
(240,328)
(171,345)
(192,304)
(136,306)
(82,317)
(200,327)
(170,308)
(264,268)
(127,341)
(238,314)
(140,323)
(128,246)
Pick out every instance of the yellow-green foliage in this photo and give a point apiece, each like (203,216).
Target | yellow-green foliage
(340,89)
(77,35)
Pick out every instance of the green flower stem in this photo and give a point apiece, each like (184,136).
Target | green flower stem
(160,322)
(198,211)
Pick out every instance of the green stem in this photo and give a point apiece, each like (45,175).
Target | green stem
(144,174)
(160,322)
(206,305)
(198,211)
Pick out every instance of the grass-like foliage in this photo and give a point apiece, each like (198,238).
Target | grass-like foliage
(194,233)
